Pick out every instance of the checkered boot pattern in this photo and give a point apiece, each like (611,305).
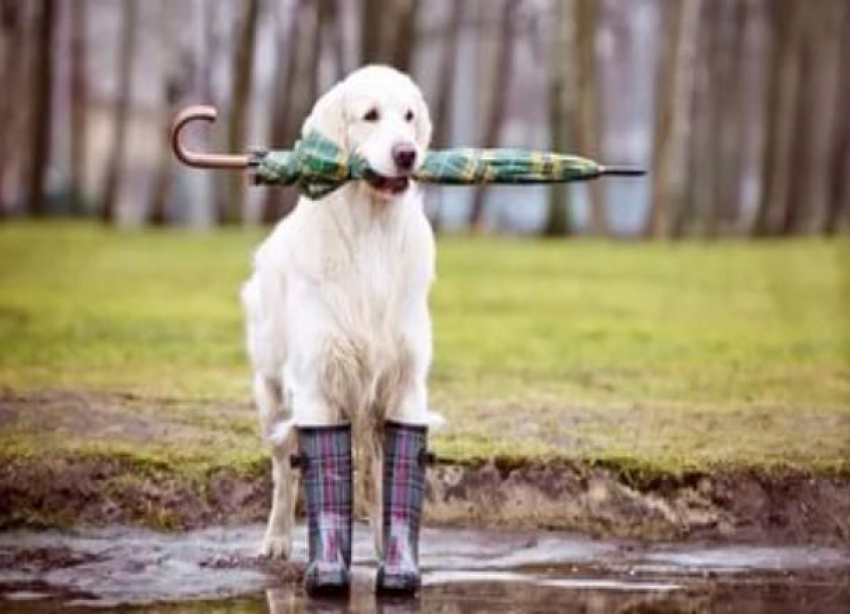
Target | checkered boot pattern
(325,460)
(405,459)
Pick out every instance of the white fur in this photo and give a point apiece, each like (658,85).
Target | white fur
(338,328)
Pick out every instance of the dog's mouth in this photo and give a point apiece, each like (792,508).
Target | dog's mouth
(388,185)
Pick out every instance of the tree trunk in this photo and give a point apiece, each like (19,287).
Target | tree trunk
(179,72)
(371,18)
(237,124)
(668,72)
(321,20)
(287,52)
(683,102)
(79,102)
(304,46)
(709,168)
(499,102)
(798,169)
(13,38)
(121,113)
(723,163)
(209,52)
(586,21)
(780,17)
(338,26)
(736,126)
(558,221)
(41,119)
(696,189)
(161,187)
(726,116)
(839,157)
(405,37)
(445,90)
(446,75)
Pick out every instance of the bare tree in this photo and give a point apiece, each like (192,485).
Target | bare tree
(707,169)
(121,112)
(586,22)
(674,91)
(839,156)
(446,73)
(799,163)
(42,117)
(237,123)
(322,26)
(13,38)
(445,87)
(723,158)
(736,127)
(405,34)
(697,189)
(208,12)
(558,222)
(303,46)
(498,102)
(372,16)
(79,100)
(338,24)
(775,142)
(388,32)
(178,72)
(283,97)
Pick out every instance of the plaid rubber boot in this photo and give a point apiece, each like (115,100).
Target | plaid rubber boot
(404,488)
(325,459)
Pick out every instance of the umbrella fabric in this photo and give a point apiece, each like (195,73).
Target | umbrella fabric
(317,166)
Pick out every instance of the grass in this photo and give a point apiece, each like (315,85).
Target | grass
(672,356)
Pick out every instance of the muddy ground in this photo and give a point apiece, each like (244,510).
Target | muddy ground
(44,488)
(215,570)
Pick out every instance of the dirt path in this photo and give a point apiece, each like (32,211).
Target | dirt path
(73,458)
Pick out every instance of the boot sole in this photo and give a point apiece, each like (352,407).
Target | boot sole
(397,585)
(327,589)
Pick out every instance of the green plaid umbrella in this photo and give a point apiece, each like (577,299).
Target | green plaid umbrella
(317,166)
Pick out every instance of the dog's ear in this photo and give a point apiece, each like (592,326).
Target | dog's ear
(328,117)
(423,123)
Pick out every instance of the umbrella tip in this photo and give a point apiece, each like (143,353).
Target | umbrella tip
(623,171)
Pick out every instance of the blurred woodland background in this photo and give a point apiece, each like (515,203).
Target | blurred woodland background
(740,109)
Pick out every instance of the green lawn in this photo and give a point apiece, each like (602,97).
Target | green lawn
(669,355)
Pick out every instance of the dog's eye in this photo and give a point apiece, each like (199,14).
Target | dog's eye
(371,115)
(408,116)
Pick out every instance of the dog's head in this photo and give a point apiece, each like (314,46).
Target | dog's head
(379,113)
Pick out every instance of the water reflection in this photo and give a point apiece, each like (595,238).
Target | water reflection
(213,571)
(777,596)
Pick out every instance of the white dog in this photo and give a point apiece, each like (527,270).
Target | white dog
(338,328)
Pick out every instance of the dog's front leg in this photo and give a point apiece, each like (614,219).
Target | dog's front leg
(277,542)
(276,425)
(400,477)
(408,400)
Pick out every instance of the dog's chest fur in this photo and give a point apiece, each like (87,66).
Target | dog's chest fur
(373,270)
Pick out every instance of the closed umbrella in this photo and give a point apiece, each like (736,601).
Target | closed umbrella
(317,166)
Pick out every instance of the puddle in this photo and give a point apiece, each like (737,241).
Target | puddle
(213,570)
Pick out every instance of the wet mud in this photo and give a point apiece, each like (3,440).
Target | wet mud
(215,570)
(765,507)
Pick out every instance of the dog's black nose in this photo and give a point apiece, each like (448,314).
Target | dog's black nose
(404,156)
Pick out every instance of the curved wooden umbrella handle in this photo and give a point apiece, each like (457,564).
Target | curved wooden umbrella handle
(197,159)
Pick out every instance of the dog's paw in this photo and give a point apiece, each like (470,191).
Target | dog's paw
(276,547)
